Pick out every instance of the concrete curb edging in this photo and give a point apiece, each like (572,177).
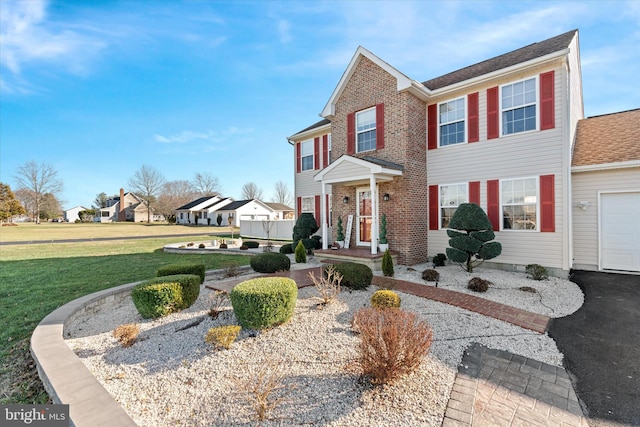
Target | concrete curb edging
(65,377)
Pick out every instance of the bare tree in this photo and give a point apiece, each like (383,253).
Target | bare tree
(38,180)
(206,184)
(175,194)
(282,194)
(147,183)
(251,191)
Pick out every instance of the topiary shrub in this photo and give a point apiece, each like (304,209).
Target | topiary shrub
(286,249)
(305,227)
(196,268)
(387,264)
(164,295)
(252,244)
(430,275)
(270,262)
(311,244)
(477,284)
(537,272)
(318,241)
(385,298)
(354,276)
(264,302)
(222,336)
(439,259)
(301,253)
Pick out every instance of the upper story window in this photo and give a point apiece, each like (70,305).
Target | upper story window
(366,130)
(451,196)
(306,154)
(519,203)
(451,119)
(519,106)
(329,148)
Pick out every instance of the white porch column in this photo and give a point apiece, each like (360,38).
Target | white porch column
(324,217)
(374,215)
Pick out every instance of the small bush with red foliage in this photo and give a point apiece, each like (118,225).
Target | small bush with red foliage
(393,343)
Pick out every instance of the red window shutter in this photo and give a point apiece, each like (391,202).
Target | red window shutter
(493,203)
(298,160)
(317,203)
(434,203)
(547,204)
(547,101)
(379,126)
(325,151)
(493,122)
(299,206)
(473,124)
(474,192)
(351,133)
(316,153)
(432,131)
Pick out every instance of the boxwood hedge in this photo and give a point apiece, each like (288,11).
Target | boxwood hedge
(264,302)
(164,295)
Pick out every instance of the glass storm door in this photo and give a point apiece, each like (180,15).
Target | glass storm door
(364,217)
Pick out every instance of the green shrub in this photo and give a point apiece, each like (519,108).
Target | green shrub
(286,249)
(387,264)
(305,227)
(430,275)
(301,253)
(270,262)
(537,272)
(385,299)
(244,247)
(222,336)
(184,268)
(264,302)
(164,295)
(354,276)
(252,244)
(477,284)
(202,245)
(439,259)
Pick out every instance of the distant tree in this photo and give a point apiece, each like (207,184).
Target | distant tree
(282,194)
(38,180)
(251,191)
(87,215)
(9,205)
(206,184)
(147,183)
(100,201)
(173,195)
(50,207)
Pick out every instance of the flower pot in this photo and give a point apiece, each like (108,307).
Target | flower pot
(383,247)
(340,243)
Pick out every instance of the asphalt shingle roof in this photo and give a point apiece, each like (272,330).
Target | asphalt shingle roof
(194,203)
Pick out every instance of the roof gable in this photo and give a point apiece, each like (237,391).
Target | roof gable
(198,202)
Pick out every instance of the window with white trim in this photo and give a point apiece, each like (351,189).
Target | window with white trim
(309,204)
(451,196)
(306,155)
(451,121)
(366,130)
(519,202)
(329,149)
(518,103)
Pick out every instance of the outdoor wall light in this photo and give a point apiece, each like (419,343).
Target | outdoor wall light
(584,204)
(386,197)
(345,200)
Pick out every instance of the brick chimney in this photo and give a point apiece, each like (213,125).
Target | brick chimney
(122,215)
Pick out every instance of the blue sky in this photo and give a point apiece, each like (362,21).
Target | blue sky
(99,88)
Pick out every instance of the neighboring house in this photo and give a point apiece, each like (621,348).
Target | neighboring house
(126,207)
(606,192)
(498,133)
(71,215)
(239,210)
(281,211)
(201,211)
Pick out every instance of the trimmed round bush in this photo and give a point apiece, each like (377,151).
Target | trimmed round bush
(182,268)
(270,262)
(286,249)
(477,284)
(439,260)
(264,302)
(354,276)
(252,244)
(164,295)
(430,275)
(385,299)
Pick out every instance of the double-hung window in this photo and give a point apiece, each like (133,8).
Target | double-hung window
(451,196)
(329,149)
(308,205)
(306,155)
(519,203)
(451,120)
(519,106)
(366,130)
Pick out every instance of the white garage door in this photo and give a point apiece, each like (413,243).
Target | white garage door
(620,231)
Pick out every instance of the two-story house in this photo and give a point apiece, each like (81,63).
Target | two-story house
(498,133)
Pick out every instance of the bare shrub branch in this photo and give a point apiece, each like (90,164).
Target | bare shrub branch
(328,287)
(126,334)
(265,388)
(218,301)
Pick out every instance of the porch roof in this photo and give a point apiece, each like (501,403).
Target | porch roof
(353,169)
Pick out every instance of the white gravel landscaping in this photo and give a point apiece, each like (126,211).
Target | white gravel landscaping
(173,377)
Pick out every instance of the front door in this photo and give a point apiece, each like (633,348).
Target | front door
(364,218)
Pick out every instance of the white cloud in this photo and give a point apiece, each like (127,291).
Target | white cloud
(217,137)
(284,31)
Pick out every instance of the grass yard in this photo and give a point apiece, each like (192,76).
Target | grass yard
(36,279)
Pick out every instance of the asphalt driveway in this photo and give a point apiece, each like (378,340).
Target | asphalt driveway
(601,345)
